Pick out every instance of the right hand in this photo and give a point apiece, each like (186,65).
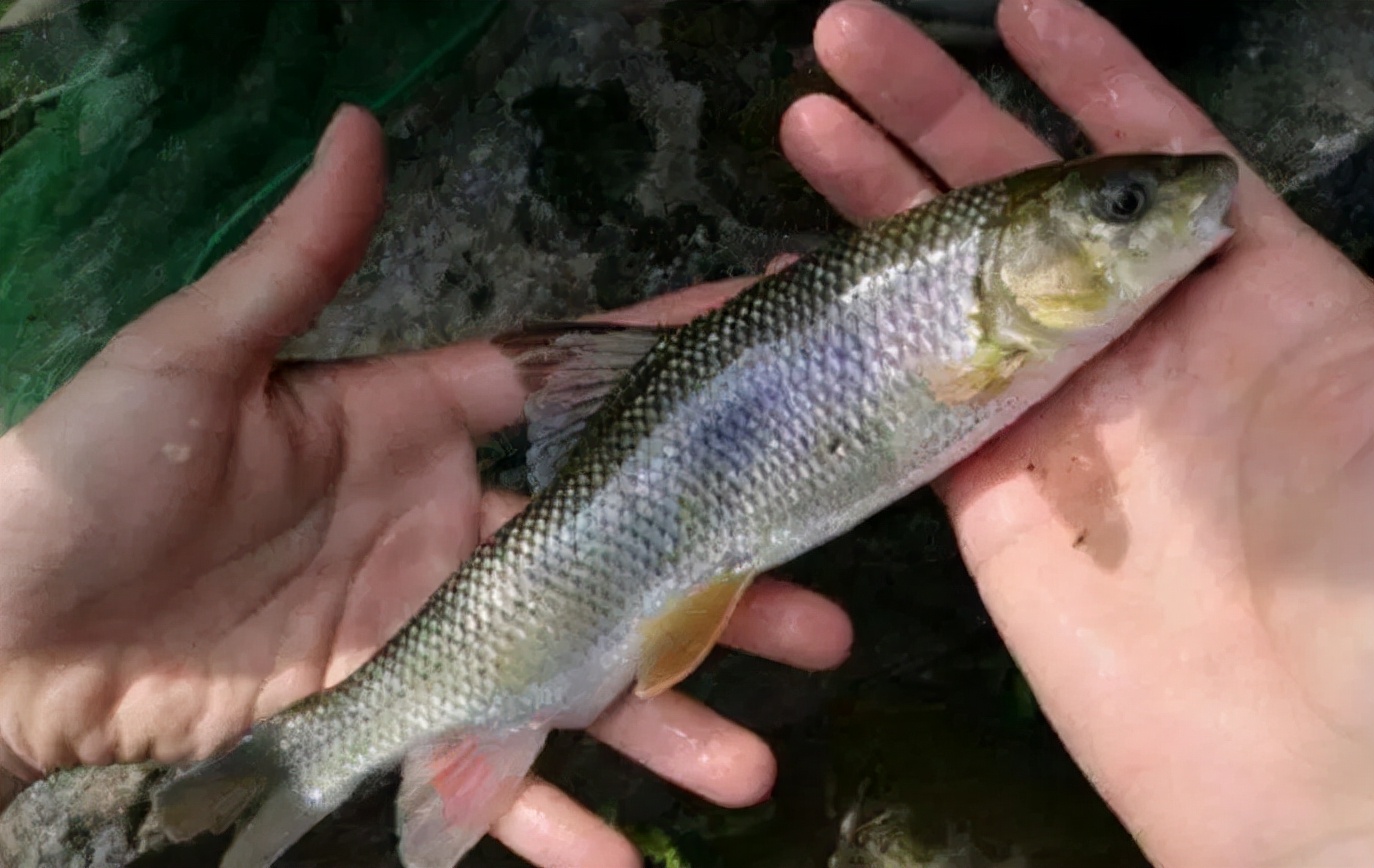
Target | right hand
(1178,547)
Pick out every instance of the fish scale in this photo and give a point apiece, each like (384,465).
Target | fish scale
(794,411)
(779,320)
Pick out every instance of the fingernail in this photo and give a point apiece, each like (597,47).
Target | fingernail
(1035,5)
(330,133)
(779,262)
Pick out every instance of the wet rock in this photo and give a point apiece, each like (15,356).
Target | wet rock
(603,162)
(81,818)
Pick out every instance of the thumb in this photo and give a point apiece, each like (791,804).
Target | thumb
(236,317)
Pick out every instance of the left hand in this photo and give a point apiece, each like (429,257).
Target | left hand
(193,537)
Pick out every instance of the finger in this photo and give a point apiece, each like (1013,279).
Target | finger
(1121,102)
(783,622)
(1097,76)
(919,94)
(483,381)
(499,506)
(849,162)
(683,741)
(549,829)
(780,262)
(273,286)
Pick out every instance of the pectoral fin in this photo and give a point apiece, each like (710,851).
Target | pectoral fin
(677,641)
(985,375)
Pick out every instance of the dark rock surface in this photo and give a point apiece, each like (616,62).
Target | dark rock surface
(78,820)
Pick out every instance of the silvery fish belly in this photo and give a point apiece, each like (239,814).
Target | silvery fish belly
(672,466)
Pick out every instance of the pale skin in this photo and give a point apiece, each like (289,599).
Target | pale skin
(1174,546)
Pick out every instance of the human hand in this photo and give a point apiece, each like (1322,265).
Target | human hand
(1176,546)
(193,538)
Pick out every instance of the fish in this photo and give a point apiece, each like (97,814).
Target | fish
(670,466)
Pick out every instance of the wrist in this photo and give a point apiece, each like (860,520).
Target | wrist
(1353,847)
(1332,828)
(11,556)
(31,548)
(19,483)
(38,533)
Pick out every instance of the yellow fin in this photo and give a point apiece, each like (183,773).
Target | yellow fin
(677,641)
(987,373)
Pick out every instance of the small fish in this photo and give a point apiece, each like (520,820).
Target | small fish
(674,465)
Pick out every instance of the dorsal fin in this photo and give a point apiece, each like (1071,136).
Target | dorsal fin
(570,369)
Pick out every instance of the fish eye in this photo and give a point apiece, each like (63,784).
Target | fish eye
(1122,200)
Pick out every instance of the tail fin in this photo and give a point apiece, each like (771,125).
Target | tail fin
(454,788)
(249,782)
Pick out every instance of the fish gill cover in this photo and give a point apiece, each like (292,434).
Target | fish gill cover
(141,140)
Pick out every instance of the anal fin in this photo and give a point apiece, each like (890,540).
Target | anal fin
(453,789)
(676,641)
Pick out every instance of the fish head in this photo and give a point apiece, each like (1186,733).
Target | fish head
(1084,248)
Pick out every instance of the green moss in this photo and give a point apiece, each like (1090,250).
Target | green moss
(658,847)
